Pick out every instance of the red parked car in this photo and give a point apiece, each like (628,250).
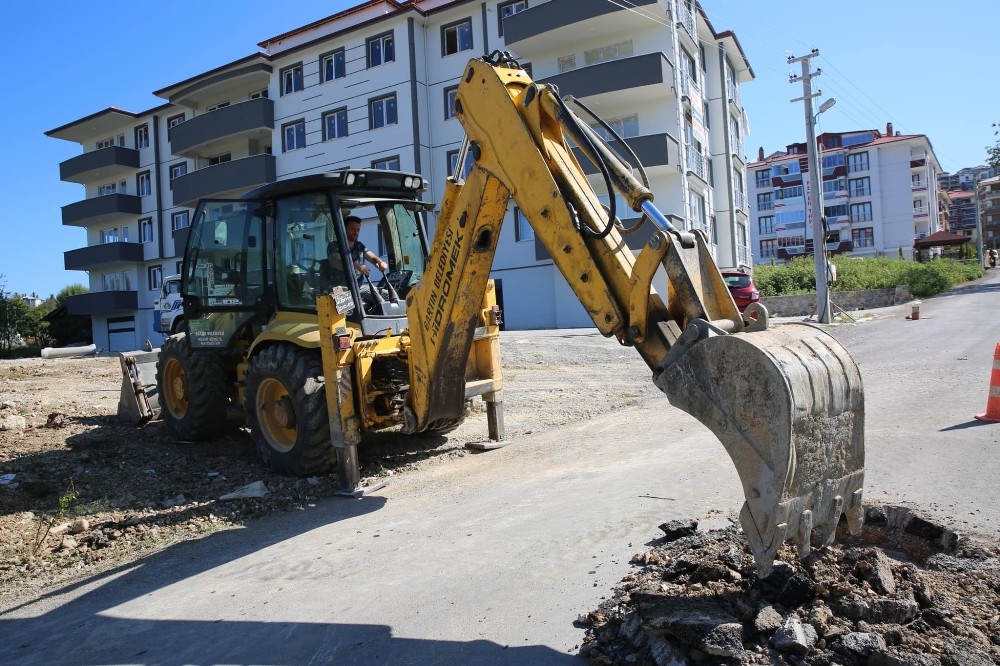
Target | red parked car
(742,288)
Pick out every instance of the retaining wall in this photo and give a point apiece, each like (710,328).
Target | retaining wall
(805,304)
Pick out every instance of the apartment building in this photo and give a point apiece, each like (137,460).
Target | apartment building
(373,86)
(966,178)
(988,195)
(880,195)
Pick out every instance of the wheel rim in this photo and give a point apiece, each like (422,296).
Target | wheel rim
(175,388)
(276,415)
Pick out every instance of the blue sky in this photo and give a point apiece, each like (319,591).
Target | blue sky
(912,63)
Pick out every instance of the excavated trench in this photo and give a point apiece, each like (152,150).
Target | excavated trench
(906,592)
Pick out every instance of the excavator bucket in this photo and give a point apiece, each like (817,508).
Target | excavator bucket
(138,402)
(787,404)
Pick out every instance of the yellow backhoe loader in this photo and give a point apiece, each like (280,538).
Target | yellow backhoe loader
(282,328)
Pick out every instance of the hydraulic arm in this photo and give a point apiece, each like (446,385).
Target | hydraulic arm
(786,402)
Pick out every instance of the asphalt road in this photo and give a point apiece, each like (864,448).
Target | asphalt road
(489,559)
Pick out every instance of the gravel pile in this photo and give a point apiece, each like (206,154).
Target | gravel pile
(906,592)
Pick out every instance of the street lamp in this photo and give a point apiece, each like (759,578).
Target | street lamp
(816,206)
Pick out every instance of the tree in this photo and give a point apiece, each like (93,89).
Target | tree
(993,152)
(15,317)
(70,290)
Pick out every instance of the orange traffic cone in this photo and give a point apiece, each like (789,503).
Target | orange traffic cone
(992,414)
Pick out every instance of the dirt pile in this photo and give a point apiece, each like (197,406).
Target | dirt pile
(906,592)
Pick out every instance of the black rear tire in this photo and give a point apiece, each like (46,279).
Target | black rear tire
(193,389)
(285,407)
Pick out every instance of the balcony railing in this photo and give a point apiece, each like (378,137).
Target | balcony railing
(918,185)
(695,162)
(233,177)
(85,258)
(733,91)
(765,205)
(109,163)
(741,200)
(736,144)
(105,209)
(686,19)
(991,194)
(920,210)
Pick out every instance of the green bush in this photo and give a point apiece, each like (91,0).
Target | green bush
(854,274)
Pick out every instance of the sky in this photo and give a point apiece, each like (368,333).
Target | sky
(911,63)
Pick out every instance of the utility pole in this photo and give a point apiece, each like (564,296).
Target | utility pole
(814,200)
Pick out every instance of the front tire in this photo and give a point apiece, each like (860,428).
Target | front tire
(285,407)
(193,388)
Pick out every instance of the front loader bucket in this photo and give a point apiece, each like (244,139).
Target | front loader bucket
(788,405)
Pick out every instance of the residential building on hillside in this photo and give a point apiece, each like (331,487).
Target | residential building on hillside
(989,207)
(962,212)
(966,178)
(880,194)
(373,86)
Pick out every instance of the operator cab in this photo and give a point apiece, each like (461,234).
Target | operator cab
(281,245)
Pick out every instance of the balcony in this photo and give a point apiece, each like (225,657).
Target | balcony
(86,258)
(733,93)
(110,164)
(991,193)
(740,199)
(226,179)
(110,208)
(918,160)
(102,302)
(695,163)
(920,211)
(180,237)
(918,185)
(686,20)
(559,23)
(736,146)
(653,150)
(651,71)
(251,119)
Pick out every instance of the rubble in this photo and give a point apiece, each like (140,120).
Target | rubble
(907,592)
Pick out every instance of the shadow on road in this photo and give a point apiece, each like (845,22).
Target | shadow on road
(88,629)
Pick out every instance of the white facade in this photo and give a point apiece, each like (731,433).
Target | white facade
(368,87)
(880,194)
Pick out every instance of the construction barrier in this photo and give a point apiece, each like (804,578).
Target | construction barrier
(992,414)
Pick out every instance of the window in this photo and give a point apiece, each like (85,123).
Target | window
(173,121)
(178,267)
(335,124)
(456,37)
(105,143)
(104,190)
(216,107)
(860,187)
(293,136)
(768,248)
(765,224)
(333,65)
(449,102)
(608,53)
(505,9)
(143,184)
(142,136)
(763,178)
(522,230)
(861,212)
(116,281)
(857,162)
(382,111)
(705,115)
(863,237)
(625,127)
(258,94)
(177,170)
(688,66)
(146,230)
(840,210)
(109,235)
(387,163)
(179,220)
(453,163)
(155,277)
(567,63)
(122,186)
(291,79)
(380,50)
(696,211)
(765,201)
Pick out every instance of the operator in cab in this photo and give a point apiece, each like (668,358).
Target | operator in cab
(360,253)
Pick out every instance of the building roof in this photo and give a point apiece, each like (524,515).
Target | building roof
(105,121)
(961,194)
(879,140)
(939,238)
